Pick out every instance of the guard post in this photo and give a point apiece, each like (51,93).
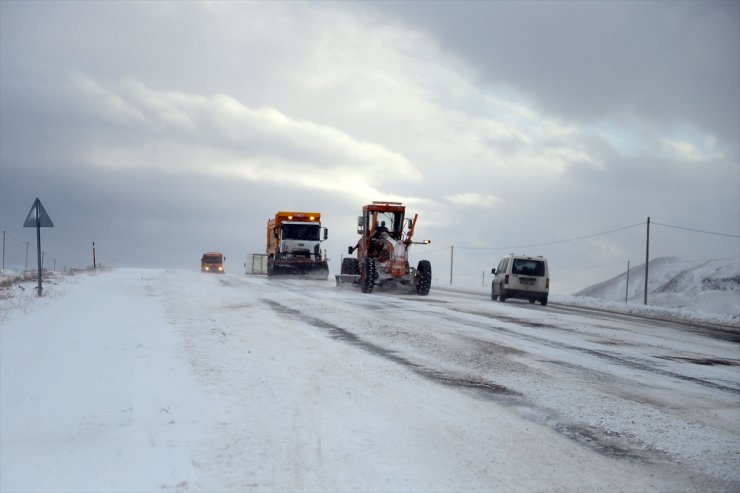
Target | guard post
(38,218)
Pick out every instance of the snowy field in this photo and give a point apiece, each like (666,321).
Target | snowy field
(156,380)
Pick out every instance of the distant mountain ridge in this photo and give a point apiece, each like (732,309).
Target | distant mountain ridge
(712,286)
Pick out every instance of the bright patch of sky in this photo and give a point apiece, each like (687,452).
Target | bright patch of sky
(681,142)
(689,144)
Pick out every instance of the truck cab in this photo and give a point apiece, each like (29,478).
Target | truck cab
(294,245)
(212,262)
(300,239)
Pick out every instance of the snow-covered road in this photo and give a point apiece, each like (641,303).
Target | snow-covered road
(153,380)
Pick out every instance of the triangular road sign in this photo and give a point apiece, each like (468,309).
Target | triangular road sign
(37,216)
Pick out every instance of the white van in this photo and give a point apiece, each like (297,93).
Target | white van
(519,276)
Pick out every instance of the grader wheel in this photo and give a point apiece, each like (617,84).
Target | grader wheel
(367,275)
(423,277)
(350,266)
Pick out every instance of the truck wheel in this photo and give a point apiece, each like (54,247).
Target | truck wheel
(502,296)
(423,277)
(350,266)
(367,275)
(543,301)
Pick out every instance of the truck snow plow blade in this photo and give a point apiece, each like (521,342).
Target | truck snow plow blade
(301,270)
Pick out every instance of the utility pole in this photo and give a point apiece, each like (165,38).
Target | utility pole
(452,256)
(26,268)
(647,259)
(3,249)
(94,263)
(627,289)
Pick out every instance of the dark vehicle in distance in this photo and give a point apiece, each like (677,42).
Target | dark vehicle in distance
(212,262)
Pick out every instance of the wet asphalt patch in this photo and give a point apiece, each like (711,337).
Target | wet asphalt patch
(702,361)
(645,366)
(481,387)
(608,443)
(637,364)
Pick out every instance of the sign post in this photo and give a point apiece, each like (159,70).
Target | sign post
(38,218)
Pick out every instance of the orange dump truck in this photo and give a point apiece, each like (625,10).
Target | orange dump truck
(212,262)
(294,245)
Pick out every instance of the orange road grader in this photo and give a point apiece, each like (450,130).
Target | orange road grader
(383,251)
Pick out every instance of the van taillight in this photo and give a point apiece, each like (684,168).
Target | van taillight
(547,283)
(506,279)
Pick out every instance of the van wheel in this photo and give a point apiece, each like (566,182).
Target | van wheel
(543,301)
(493,296)
(502,297)
(531,301)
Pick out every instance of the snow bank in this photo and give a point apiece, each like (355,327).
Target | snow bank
(701,291)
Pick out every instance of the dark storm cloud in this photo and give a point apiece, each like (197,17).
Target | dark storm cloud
(666,61)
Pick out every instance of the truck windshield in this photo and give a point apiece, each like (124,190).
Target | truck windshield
(305,232)
(212,259)
(528,267)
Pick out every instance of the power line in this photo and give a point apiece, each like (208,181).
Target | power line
(592,236)
(597,266)
(436,251)
(14,238)
(555,242)
(697,230)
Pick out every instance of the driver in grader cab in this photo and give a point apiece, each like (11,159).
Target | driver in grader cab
(379,236)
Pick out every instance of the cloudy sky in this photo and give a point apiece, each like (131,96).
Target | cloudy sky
(161,130)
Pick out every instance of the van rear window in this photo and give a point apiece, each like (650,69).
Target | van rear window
(528,267)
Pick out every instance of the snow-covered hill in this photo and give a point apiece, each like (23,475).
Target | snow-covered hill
(712,286)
